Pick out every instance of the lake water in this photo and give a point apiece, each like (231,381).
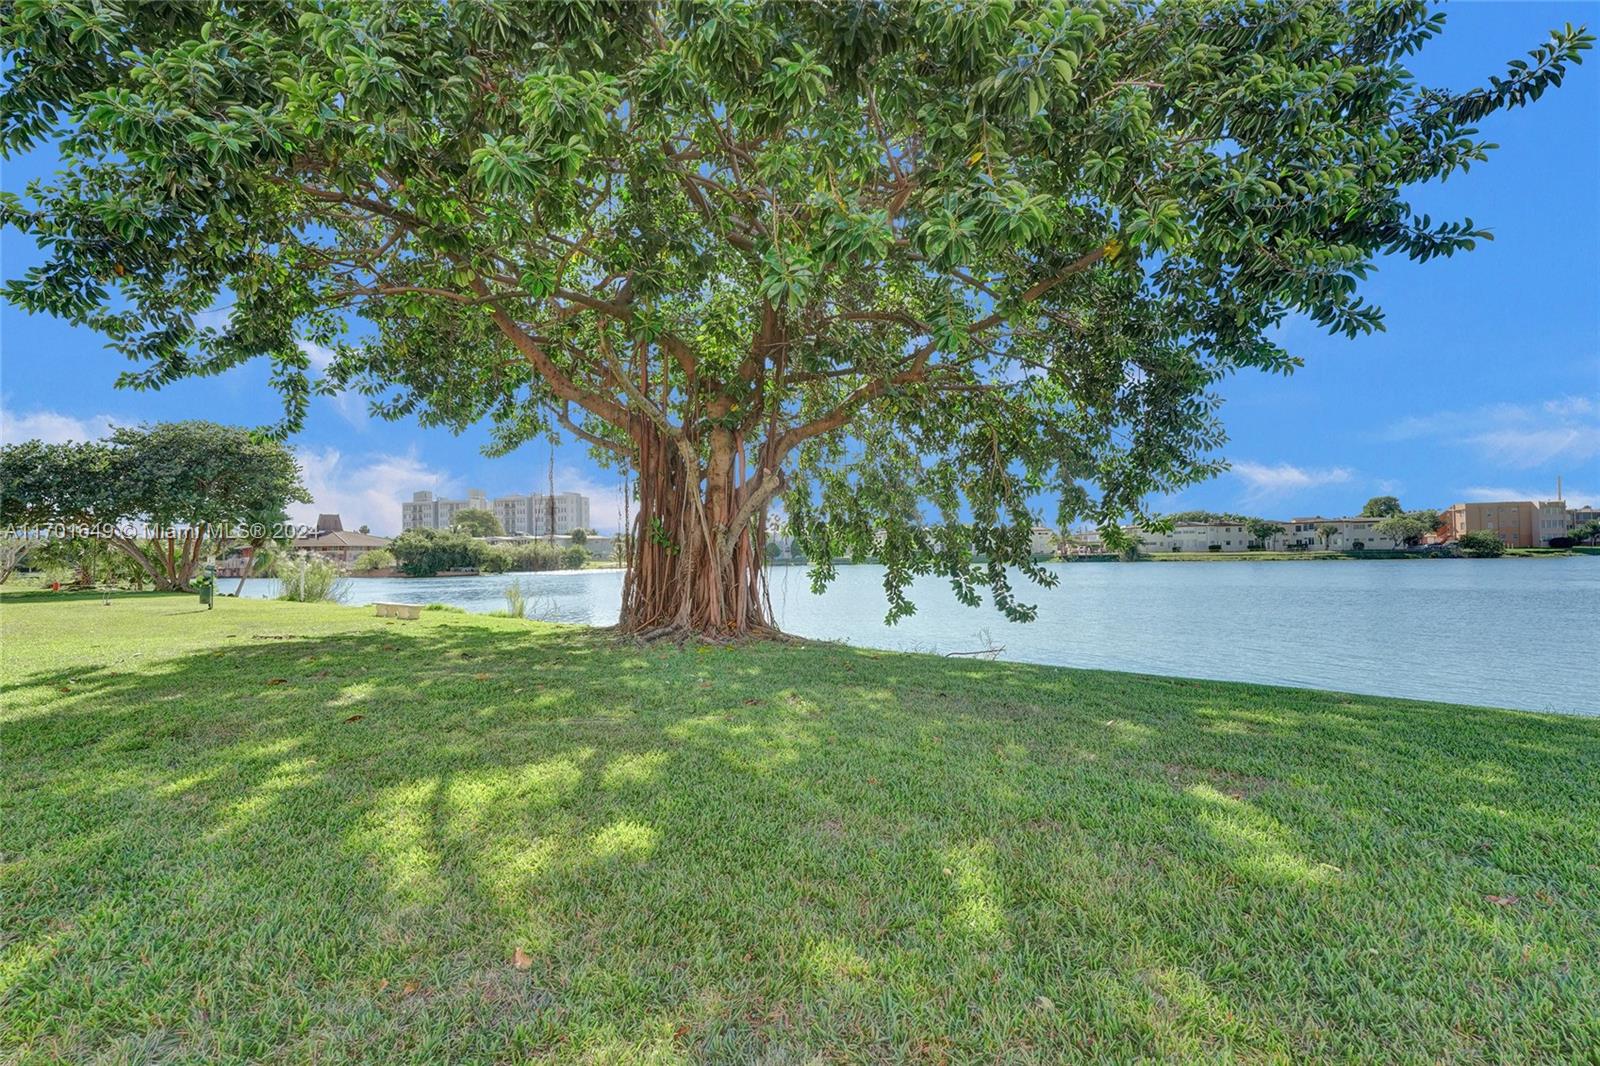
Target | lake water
(1495,632)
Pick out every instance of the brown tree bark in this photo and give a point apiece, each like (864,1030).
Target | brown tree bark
(696,565)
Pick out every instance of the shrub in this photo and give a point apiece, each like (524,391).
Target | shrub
(448,608)
(304,578)
(425,552)
(376,559)
(1481,544)
(1562,542)
(516,600)
(1213,547)
(533,555)
(1359,546)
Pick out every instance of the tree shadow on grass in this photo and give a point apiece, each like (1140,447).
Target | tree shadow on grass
(467,841)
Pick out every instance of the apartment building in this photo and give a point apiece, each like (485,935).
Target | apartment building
(1520,523)
(1356,533)
(424,511)
(526,515)
(531,514)
(1299,534)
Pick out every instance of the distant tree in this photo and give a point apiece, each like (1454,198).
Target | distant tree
(1586,532)
(890,260)
(1408,528)
(262,536)
(164,494)
(475,522)
(579,536)
(363,528)
(1262,531)
(1381,507)
(375,559)
(1326,533)
(425,552)
(86,558)
(1482,543)
(574,558)
(15,548)
(1207,517)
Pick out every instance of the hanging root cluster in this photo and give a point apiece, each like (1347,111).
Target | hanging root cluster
(689,576)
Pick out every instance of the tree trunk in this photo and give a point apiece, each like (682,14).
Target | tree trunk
(248,569)
(694,568)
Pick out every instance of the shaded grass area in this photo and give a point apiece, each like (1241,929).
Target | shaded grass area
(288,832)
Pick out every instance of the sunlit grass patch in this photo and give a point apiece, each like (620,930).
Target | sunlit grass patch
(297,832)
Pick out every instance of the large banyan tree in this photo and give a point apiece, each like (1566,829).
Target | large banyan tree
(910,267)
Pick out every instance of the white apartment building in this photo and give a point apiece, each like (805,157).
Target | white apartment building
(423,511)
(1350,534)
(526,515)
(1299,534)
(531,514)
(1551,519)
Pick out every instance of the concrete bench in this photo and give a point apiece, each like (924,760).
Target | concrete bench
(399,610)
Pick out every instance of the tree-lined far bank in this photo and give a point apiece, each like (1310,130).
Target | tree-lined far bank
(910,266)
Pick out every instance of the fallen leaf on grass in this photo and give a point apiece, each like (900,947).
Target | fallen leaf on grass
(277,680)
(481,677)
(1504,901)
(409,988)
(521,959)
(355,718)
(752,702)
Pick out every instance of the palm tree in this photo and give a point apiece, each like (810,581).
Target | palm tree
(1327,532)
(262,535)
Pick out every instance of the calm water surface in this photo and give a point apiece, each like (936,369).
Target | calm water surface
(1497,632)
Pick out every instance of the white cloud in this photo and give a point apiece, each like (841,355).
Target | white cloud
(1488,493)
(53,427)
(217,318)
(1511,435)
(321,355)
(1523,448)
(351,405)
(365,491)
(1262,481)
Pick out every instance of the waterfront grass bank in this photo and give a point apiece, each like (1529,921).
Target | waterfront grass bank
(301,832)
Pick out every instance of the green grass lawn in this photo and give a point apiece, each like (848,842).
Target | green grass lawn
(289,833)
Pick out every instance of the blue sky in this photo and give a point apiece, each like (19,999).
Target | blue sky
(1485,385)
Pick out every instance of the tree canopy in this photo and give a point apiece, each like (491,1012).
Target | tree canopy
(1482,544)
(913,266)
(1407,528)
(475,522)
(1380,507)
(163,494)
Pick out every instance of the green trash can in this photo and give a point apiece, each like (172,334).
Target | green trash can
(207,585)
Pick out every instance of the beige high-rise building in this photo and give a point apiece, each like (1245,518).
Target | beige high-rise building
(1520,523)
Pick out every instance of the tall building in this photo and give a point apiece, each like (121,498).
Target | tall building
(423,511)
(527,515)
(531,514)
(1520,523)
